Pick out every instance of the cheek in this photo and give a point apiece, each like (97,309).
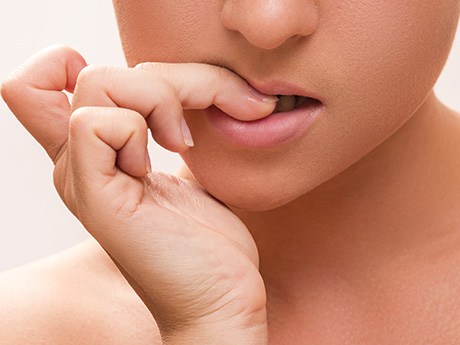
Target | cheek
(375,64)
(381,60)
(384,53)
(162,30)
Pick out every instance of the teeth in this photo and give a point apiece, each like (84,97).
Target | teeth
(286,103)
(299,100)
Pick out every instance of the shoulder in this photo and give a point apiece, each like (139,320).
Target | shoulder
(75,297)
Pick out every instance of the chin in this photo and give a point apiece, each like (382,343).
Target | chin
(249,195)
(241,192)
(255,202)
(252,195)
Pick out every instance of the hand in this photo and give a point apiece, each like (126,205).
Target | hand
(190,259)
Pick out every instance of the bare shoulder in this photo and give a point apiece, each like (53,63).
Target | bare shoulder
(77,296)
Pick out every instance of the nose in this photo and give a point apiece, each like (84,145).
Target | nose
(267,24)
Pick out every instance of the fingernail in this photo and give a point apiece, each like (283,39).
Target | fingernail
(186,134)
(260,97)
(148,163)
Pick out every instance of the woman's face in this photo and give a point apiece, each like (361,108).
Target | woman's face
(373,63)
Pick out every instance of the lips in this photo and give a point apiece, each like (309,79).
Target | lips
(296,112)
(283,88)
(290,96)
(288,103)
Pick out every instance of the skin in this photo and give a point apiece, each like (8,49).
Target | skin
(368,249)
(366,202)
(98,144)
(368,93)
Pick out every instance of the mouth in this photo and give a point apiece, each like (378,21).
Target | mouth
(291,119)
(297,110)
(287,103)
(291,95)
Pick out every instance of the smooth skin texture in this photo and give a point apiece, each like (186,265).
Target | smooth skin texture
(356,223)
(160,231)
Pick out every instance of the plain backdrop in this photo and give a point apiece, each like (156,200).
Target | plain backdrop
(34,223)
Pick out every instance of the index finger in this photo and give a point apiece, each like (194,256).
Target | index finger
(160,92)
(200,85)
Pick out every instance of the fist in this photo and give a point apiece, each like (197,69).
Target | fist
(190,259)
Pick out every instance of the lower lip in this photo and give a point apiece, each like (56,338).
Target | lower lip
(270,131)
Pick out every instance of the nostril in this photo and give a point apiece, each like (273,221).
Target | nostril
(269,24)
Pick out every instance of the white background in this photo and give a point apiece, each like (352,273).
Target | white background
(34,223)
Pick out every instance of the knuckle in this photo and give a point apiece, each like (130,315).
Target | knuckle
(135,121)
(28,73)
(8,88)
(80,120)
(15,84)
(140,120)
(147,66)
(88,118)
(87,74)
(92,75)
(59,51)
(132,121)
(156,70)
(221,76)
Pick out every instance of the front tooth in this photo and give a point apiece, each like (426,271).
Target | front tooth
(286,103)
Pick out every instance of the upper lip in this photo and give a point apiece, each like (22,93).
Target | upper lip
(283,88)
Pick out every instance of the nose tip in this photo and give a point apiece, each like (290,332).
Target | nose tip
(268,24)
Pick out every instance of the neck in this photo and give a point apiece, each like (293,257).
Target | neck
(396,202)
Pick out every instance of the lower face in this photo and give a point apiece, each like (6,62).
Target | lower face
(373,63)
